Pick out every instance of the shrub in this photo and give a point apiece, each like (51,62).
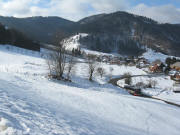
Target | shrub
(128,79)
(111,69)
(141,85)
(152,83)
(101,71)
(126,75)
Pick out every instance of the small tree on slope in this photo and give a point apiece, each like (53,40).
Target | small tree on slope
(92,66)
(56,62)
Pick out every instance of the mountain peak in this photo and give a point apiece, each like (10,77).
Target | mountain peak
(124,16)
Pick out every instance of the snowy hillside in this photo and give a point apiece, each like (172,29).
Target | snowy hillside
(151,55)
(32,104)
(73,43)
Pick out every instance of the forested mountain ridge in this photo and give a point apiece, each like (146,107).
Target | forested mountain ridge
(126,31)
(41,29)
(120,32)
(13,37)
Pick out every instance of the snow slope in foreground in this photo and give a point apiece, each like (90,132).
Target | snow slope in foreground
(32,104)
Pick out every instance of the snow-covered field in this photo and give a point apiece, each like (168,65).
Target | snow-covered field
(32,104)
(162,82)
(163,89)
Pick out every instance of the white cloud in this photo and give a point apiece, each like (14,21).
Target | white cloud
(14,7)
(163,14)
(109,5)
(76,9)
(71,9)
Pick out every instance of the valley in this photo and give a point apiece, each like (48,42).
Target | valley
(108,73)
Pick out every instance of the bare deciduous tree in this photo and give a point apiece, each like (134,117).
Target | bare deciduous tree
(92,66)
(56,61)
(70,66)
(101,71)
(152,83)
(127,78)
(111,69)
(49,64)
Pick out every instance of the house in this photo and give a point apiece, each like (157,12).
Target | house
(135,60)
(177,76)
(116,58)
(122,62)
(172,72)
(156,66)
(131,64)
(142,63)
(176,87)
(143,60)
(115,62)
(176,66)
(105,58)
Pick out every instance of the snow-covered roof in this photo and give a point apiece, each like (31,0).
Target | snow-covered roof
(156,62)
(177,64)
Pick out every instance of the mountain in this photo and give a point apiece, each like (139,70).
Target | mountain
(42,29)
(13,37)
(120,32)
(130,34)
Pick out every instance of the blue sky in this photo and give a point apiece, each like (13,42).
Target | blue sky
(133,2)
(162,11)
(157,2)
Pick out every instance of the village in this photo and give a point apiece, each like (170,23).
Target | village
(157,72)
(160,75)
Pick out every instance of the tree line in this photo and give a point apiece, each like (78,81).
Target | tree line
(16,38)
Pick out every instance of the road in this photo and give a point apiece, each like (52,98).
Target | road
(115,80)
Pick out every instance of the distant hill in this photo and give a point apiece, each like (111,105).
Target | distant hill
(13,37)
(129,34)
(120,32)
(42,29)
